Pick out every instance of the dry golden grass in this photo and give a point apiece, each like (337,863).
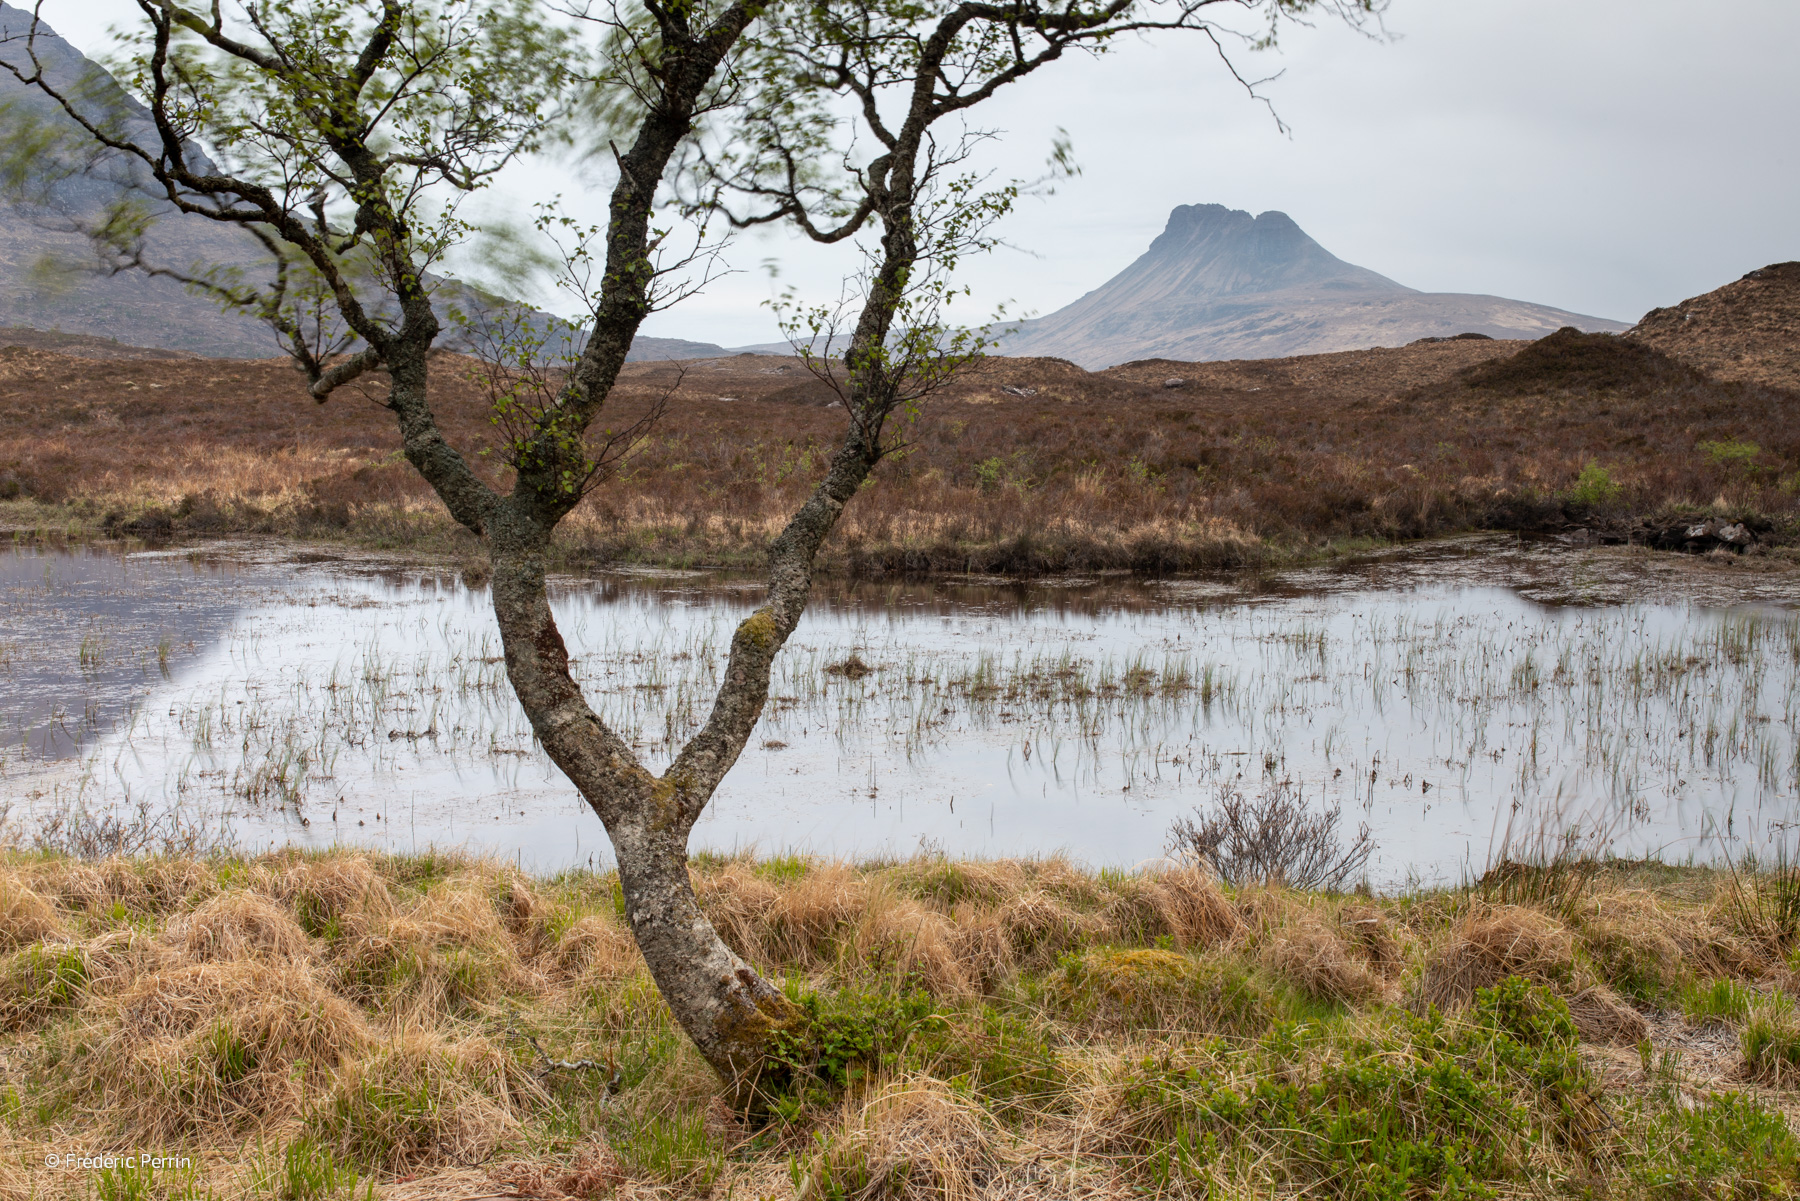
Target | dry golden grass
(25,916)
(210,1047)
(1026,1028)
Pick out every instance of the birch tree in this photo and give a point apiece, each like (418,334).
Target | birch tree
(344,118)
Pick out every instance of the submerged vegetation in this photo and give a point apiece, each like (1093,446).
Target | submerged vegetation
(347,1025)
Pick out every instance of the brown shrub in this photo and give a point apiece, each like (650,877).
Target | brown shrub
(340,892)
(1040,928)
(1314,958)
(1602,1017)
(442,952)
(427,1099)
(1194,911)
(594,946)
(738,902)
(1628,938)
(915,1138)
(900,937)
(1489,945)
(812,913)
(152,885)
(1377,939)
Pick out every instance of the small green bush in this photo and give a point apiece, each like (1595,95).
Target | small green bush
(1594,486)
(1730,1146)
(837,1040)
(1730,452)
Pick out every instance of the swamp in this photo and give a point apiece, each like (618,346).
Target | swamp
(297,909)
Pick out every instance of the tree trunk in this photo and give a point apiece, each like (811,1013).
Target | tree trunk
(719,1000)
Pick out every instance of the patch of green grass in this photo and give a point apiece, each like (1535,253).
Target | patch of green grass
(41,980)
(673,1148)
(1721,1000)
(993,1053)
(1424,1107)
(1729,452)
(307,1171)
(1770,1039)
(143,1182)
(1171,990)
(784,869)
(1594,486)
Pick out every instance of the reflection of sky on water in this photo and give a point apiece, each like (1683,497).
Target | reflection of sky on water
(1417,693)
(87,633)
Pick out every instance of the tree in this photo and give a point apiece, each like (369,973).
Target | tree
(749,100)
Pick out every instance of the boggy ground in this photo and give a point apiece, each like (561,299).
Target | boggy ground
(1021,465)
(317,1027)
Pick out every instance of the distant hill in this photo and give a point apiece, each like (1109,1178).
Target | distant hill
(1221,284)
(1748,330)
(49,278)
(50,281)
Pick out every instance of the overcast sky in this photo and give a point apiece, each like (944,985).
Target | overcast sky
(1603,156)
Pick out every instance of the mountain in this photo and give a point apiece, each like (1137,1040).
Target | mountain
(51,281)
(1221,284)
(49,277)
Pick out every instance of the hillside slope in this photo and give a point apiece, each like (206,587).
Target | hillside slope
(1748,330)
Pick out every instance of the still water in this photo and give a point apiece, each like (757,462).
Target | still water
(1458,698)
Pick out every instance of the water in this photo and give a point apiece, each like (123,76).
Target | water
(1452,697)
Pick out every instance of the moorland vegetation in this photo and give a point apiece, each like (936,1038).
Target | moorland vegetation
(306,1027)
(1019,465)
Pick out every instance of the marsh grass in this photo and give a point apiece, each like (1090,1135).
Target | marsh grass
(316,1028)
(1365,707)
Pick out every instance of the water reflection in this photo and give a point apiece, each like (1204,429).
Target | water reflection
(1441,695)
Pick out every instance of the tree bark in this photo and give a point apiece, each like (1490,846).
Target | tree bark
(724,1005)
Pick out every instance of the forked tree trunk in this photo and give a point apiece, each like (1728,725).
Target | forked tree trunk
(720,1000)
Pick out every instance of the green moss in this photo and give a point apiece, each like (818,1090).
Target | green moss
(759,630)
